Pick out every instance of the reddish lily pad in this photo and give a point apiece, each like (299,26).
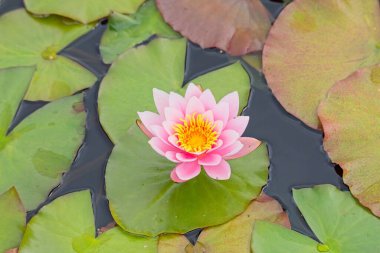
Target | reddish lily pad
(351,122)
(314,44)
(233,236)
(238,27)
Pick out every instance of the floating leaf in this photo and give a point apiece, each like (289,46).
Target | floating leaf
(33,155)
(12,220)
(233,236)
(29,41)
(67,225)
(314,44)
(238,27)
(124,31)
(338,221)
(350,119)
(84,11)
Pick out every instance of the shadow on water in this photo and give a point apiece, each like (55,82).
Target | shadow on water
(296,153)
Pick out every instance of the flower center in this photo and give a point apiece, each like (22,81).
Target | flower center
(196,134)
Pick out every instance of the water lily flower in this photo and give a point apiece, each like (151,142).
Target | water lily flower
(195,131)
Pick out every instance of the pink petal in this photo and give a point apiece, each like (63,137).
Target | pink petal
(170,155)
(173,140)
(160,147)
(221,112)
(144,129)
(230,150)
(232,100)
(192,91)
(229,137)
(208,99)
(250,144)
(218,144)
(186,171)
(194,106)
(149,119)
(185,157)
(218,126)
(209,115)
(175,178)
(222,171)
(177,101)
(173,114)
(168,126)
(161,99)
(160,132)
(238,124)
(210,159)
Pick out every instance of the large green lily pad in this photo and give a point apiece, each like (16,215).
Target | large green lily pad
(12,220)
(29,41)
(338,221)
(67,225)
(350,119)
(35,153)
(233,236)
(84,11)
(126,31)
(314,44)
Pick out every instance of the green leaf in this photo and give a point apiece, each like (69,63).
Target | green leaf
(144,200)
(12,220)
(314,44)
(350,119)
(30,41)
(125,31)
(233,236)
(85,11)
(67,225)
(33,155)
(338,221)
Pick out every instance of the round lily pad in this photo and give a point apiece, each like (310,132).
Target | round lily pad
(238,27)
(33,155)
(126,31)
(338,221)
(29,41)
(314,44)
(67,225)
(84,11)
(12,220)
(350,119)
(233,236)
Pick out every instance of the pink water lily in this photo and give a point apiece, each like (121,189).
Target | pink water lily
(195,131)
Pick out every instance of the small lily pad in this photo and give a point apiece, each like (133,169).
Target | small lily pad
(12,220)
(350,119)
(233,236)
(238,27)
(31,41)
(33,155)
(314,44)
(67,225)
(338,221)
(126,31)
(85,11)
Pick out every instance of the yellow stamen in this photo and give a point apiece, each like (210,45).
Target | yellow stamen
(196,134)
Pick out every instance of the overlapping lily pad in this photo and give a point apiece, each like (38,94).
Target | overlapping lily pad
(314,44)
(126,31)
(153,204)
(84,11)
(339,222)
(40,148)
(233,236)
(350,119)
(238,27)
(29,41)
(12,220)
(67,225)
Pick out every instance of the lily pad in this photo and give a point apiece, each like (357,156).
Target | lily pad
(339,222)
(238,27)
(67,225)
(12,220)
(126,31)
(314,44)
(85,11)
(233,236)
(350,119)
(31,41)
(33,155)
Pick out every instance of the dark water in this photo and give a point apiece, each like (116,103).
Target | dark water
(296,153)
